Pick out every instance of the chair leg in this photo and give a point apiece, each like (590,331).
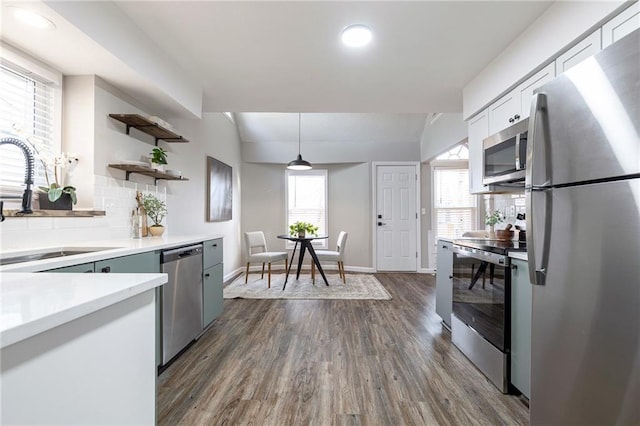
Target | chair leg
(269,280)
(286,264)
(262,276)
(246,274)
(313,272)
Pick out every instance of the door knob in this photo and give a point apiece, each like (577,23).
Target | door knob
(511,120)
(380,223)
(517,116)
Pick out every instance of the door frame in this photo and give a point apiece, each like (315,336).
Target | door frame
(374,197)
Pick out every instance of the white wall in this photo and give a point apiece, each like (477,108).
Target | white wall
(263,207)
(562,24)
(445,132)
(215,136)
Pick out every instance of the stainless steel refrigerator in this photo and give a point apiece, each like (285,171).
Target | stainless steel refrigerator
(583,239)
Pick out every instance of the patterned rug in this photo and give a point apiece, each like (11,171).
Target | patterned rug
(358,286)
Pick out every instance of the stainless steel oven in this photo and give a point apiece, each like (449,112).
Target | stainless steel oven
(504,155)
(481,310)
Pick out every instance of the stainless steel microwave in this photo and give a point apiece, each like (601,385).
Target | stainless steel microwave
(504,155)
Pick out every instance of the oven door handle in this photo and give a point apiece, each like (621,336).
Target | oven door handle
(496,259)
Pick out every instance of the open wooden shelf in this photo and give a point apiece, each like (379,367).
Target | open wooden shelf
(149,127)
(147,171)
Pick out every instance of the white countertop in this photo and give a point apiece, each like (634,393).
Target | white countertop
(33,303)
(522,255)
(114,248)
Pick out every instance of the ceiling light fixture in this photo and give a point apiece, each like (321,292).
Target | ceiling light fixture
(299,163)
(357,35)
(31,18)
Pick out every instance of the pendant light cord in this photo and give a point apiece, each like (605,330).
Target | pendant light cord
(299,125)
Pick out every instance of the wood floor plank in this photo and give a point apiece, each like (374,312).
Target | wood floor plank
(332,362)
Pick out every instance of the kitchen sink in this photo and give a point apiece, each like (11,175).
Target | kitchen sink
(50,254)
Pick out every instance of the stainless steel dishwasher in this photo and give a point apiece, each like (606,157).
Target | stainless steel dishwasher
(181,299)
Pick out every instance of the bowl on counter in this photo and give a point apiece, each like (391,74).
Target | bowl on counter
(502,234)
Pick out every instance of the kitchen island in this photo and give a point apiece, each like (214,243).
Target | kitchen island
(78,348)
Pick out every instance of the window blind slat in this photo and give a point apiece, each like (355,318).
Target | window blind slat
(28,105)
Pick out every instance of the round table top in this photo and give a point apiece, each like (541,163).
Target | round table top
(306,237)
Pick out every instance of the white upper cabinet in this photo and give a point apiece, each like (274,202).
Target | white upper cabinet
(478,131)
(514,106)
(621,25)
(587,47)
(504,112)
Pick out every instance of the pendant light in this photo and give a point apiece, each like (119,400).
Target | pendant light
(299,163)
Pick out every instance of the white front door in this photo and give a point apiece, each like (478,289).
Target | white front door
(396,218)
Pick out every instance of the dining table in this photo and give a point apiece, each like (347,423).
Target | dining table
(305,245)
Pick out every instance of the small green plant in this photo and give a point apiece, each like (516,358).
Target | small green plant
(154,208)
(302,226)
(492,219)
(158,155)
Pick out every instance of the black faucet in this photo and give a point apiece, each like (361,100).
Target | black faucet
(28,174)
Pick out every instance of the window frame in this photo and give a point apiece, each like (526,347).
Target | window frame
(23,64)
(453,165)
(320,243)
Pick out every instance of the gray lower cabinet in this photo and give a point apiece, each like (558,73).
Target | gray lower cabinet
(521,296)
(135,263)
(213,277)
(444,281)
(83,267)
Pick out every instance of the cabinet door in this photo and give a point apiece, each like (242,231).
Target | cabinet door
(521,296)
(586,48)
(525,89)
(478,130)
(502,112)
(83,267)
(621,25)
(135,263)
(444,283)
(212,252)
(212,293)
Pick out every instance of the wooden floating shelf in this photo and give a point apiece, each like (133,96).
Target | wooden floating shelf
(147,171)
(56,213)
(149,127)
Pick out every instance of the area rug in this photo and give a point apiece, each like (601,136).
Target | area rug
(358,286)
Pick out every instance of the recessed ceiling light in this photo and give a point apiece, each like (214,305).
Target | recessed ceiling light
(357,35)
(31,18)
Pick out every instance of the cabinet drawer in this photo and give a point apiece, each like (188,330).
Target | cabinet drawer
(212,252)
(135,263)
(83,267)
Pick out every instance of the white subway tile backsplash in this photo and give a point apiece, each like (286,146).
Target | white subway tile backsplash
(39,223)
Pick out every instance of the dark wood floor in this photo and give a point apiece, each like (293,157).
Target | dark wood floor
(324,362)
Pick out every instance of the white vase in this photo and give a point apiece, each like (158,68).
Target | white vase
(492,232)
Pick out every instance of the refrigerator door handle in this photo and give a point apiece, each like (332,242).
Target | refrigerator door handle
(538,103)
(537,211)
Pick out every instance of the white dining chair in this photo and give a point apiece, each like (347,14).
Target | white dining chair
(257,252)
(333,256)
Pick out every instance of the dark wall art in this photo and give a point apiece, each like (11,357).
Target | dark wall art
(219,190)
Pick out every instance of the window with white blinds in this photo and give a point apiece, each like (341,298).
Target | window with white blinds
(27,112)
(455,210)
(307,200)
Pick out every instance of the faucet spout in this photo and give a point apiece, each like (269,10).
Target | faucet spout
(29,171)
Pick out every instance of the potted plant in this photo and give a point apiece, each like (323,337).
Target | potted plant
(156,210)
(492,219)
(301,228)
(58,195)
(158,158)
